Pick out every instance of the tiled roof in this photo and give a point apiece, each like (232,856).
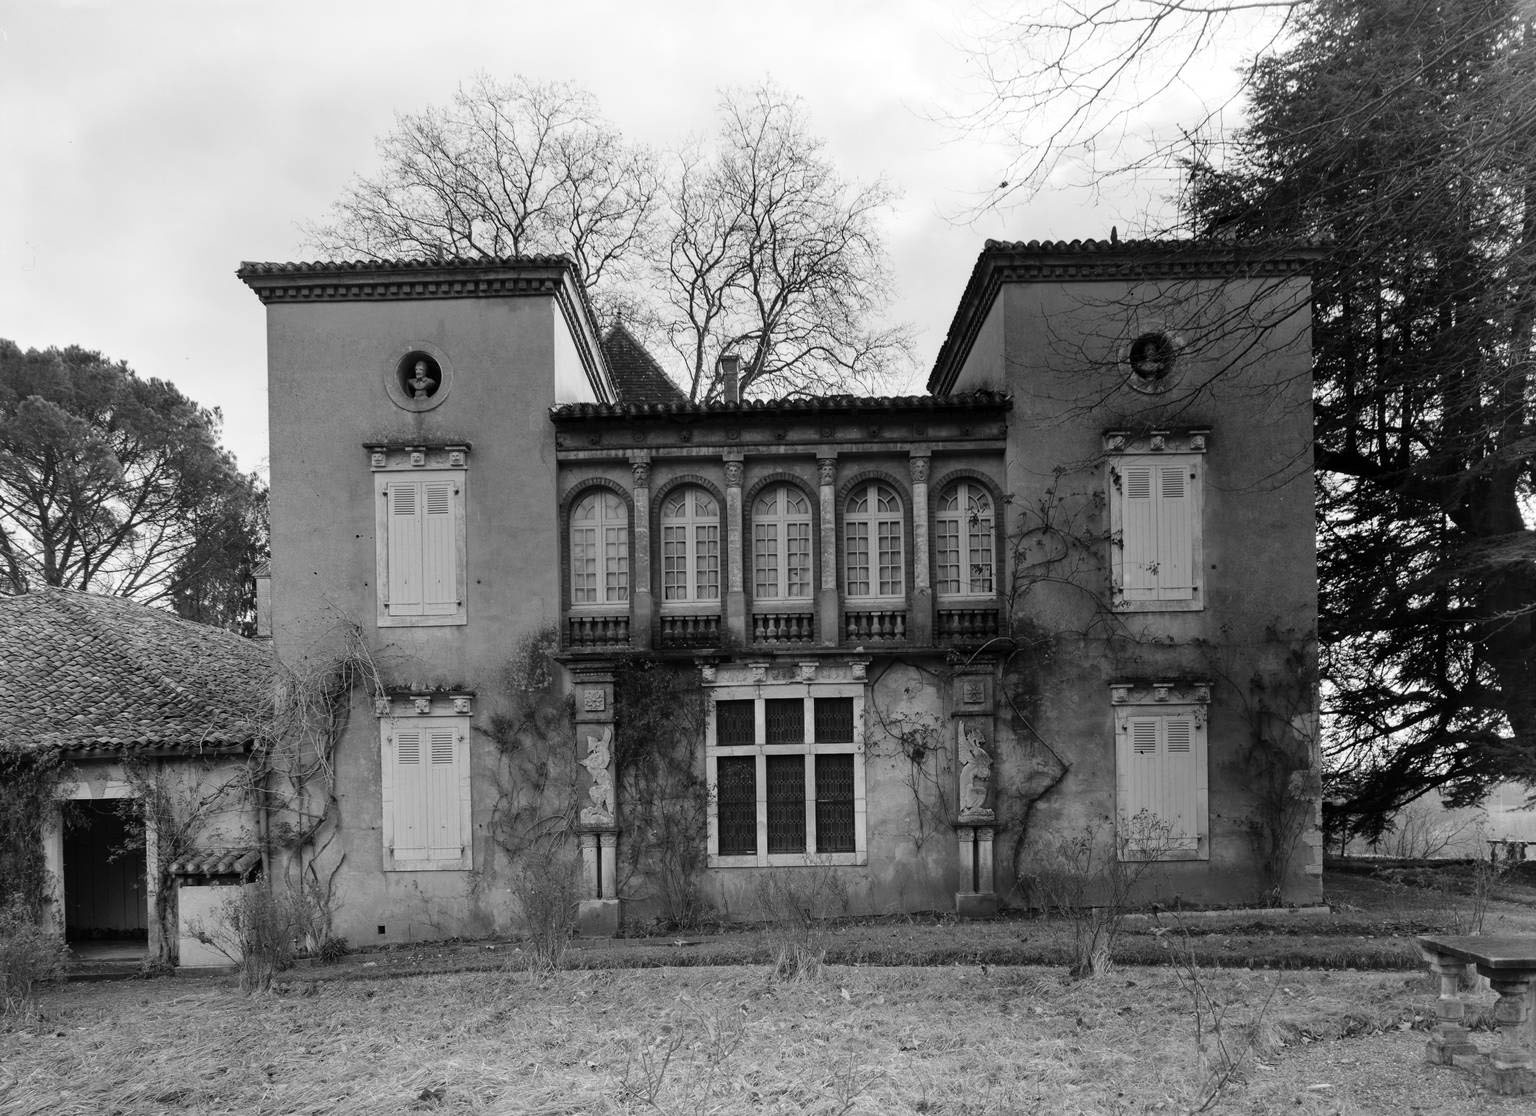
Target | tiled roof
(93,674)
(636,376)
(1142,247)
(451,263)
(975,400)
(1020,261)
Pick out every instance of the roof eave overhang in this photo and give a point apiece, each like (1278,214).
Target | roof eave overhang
(554,277)
(1096,261)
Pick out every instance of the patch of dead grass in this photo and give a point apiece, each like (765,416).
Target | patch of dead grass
(955,1040)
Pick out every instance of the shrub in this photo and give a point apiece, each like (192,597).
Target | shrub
(29,956)
(29,784)
(1089,878)
(258,929)
(798,905)
(547,885)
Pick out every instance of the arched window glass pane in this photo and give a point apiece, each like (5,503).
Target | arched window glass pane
(781,545)
(873,558)
(964,543)
(690,546)
(599,550)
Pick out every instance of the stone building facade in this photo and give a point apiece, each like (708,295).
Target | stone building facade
(908,645)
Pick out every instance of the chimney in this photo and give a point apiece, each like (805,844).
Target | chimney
(730,378)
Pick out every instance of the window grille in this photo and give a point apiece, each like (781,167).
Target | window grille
(834,720)
(736,804)
(734,723)
(785,720)
(786,804)
(834,804)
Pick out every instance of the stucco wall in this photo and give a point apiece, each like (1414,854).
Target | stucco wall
(328,367)
(1244,373)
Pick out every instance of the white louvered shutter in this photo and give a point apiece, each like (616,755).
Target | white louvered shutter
(1138,534)
(1175,533)
(1180,783)
(1138,767)
(439,550)
(442,781)
(410,795)
(405,536)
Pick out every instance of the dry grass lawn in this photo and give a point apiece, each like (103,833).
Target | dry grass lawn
(954,1040)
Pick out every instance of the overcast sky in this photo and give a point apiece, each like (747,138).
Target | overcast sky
(152,146)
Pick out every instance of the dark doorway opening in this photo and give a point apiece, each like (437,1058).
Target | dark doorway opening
(106,908)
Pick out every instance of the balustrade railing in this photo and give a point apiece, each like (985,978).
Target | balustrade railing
(584,630)
(688,629)
(783,627)
(882,625)
(965,625)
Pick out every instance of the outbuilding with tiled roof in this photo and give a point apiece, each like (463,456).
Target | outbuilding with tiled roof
(99,675)
(137,700)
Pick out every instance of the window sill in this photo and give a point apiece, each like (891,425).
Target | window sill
(461,864)
(1130,856)
(1194,604)
(458,619)
(791,860)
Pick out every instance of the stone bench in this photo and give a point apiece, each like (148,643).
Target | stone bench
(1509,963)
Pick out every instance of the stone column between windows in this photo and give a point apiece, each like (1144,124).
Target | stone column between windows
(597,912)
(735,594)
(827,617)
(973,709)
(920,614)
(642,604)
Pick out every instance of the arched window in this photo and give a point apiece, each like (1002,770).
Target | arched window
(872,547)
(599,549)
(690,546)
(781,545)
(963,541)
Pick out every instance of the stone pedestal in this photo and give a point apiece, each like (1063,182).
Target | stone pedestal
(977,895)
(598,912)
(597,918)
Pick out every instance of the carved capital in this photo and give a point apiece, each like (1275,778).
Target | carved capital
(733,472)
(826,471)
(641,471)
(919,468)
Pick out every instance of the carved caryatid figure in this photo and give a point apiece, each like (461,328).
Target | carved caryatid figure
(975,773)
(597,763)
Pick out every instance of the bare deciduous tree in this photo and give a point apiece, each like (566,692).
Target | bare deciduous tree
(506,169)
(1069,83)
(774,256)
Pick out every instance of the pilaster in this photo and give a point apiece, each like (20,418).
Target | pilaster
(827,611)
(920,615)
(642,605)
(735,594)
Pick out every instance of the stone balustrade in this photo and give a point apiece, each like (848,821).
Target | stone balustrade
(788,628)
(585,630)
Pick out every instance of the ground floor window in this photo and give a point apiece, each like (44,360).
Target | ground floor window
(1161,776)
(786,775)
(426,793)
